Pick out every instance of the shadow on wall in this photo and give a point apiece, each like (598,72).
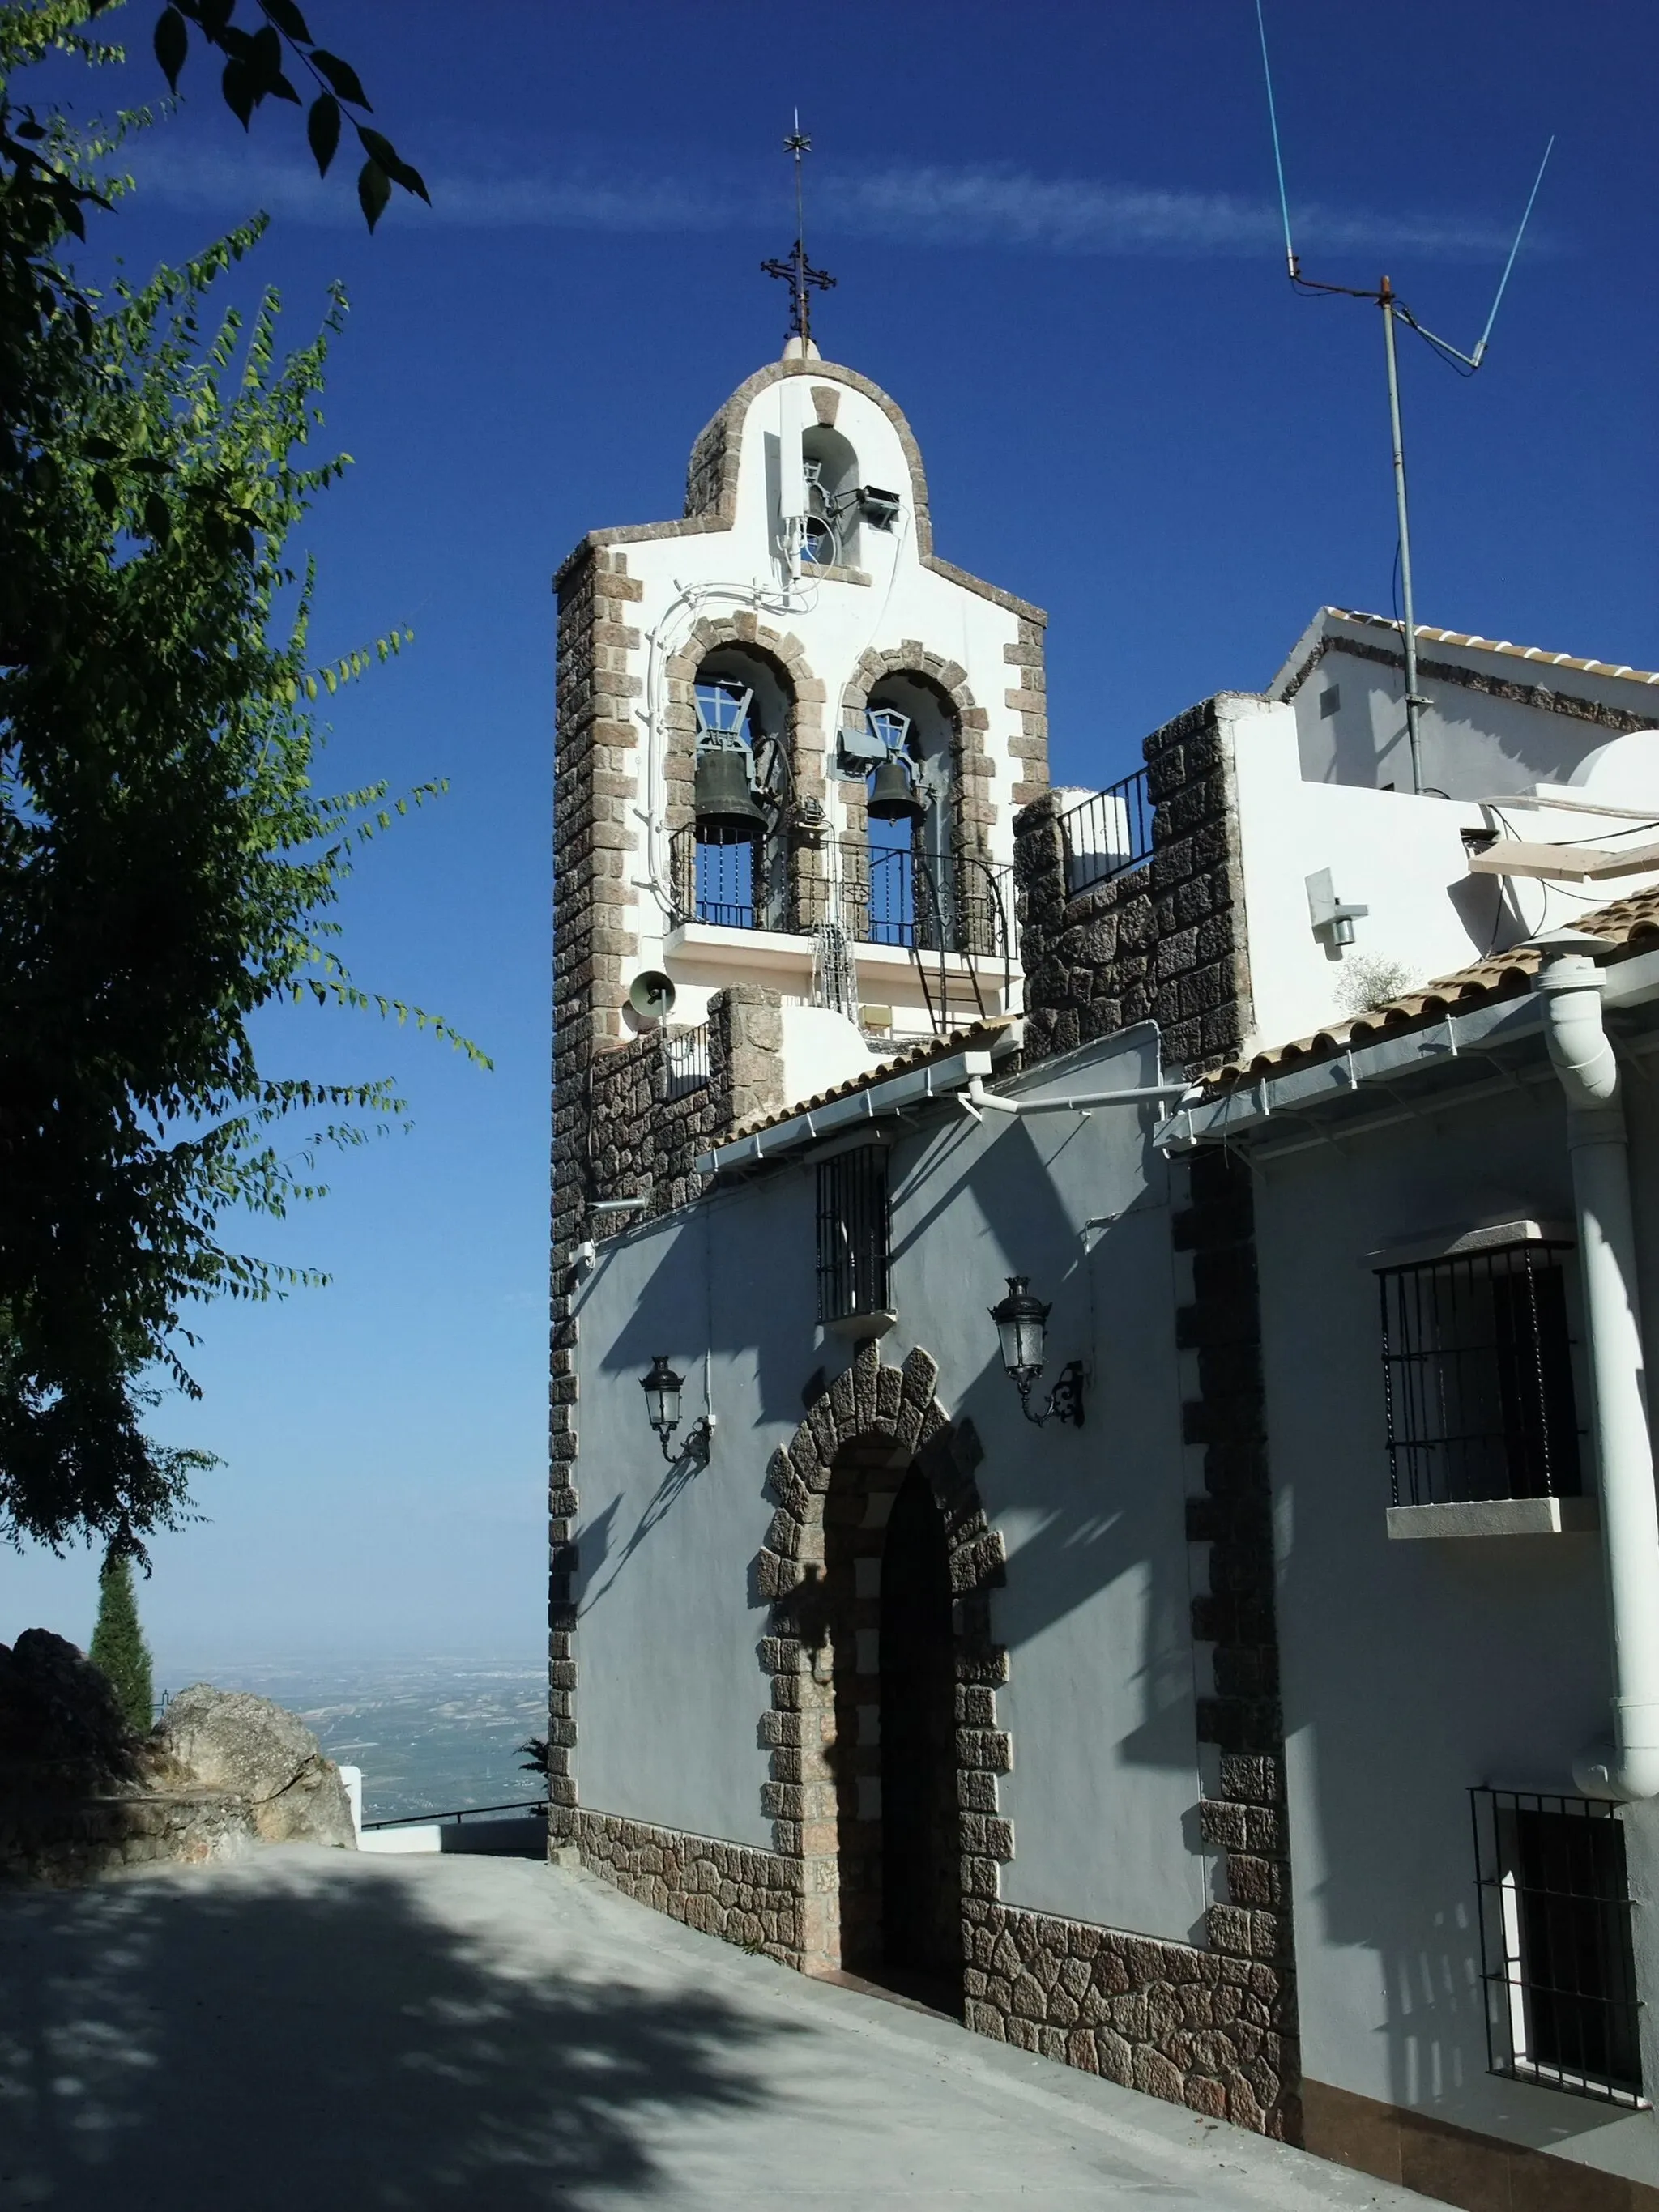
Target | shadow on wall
(1104,1508)
(1098,1507)
(326,2043)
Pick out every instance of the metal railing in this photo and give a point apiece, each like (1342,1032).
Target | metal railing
(881,895)
(894,895)
(1107,833)
(685,1060)
(461,1812)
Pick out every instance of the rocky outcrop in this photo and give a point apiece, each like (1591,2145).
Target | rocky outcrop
(58,1714)
(229,1739)
(80,1796)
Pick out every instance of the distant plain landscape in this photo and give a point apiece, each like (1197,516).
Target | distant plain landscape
(431,1734)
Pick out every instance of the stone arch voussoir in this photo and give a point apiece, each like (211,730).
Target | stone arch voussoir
(868,1404)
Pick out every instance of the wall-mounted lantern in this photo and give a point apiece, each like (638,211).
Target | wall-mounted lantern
(1022,1332)
(662,1388)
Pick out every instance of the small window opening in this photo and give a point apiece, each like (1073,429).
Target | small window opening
(1556,1955)
(833,510)
(1329,703)
(852,1233)
(1477,1368)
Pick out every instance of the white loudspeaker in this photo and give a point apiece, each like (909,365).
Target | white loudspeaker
(651,994)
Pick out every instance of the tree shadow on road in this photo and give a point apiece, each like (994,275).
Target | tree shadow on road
(319,2038)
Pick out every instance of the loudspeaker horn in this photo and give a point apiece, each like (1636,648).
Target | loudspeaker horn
(652,995)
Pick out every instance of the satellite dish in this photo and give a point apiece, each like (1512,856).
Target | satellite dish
(651,994)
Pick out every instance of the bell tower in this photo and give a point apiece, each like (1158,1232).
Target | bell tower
(783,719)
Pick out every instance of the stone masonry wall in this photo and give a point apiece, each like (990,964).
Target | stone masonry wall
(1230,1526)
(742,1894)
(643,1141)
(1199,2028)
(1164,941)
(593,845)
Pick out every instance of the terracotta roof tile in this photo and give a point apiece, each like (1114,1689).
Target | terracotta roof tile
(1631,924)
(1535,653)
(978,1036)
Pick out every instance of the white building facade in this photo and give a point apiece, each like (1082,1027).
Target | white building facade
(1098,1692)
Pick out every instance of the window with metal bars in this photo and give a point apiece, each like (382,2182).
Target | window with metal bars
(852,1233)
(1556,1956)
(1477,1368)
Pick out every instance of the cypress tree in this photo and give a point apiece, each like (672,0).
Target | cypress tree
(119,1648)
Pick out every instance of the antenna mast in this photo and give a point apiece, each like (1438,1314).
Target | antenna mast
(1393,306)
(795,269)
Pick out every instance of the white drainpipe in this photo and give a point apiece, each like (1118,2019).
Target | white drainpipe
(1570,986)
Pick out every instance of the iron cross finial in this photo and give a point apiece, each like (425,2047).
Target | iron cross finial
(802,278)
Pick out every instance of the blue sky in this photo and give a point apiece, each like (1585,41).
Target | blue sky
(1055,232)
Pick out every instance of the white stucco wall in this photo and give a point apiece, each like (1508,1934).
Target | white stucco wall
(1403,858)
(1481,737)
(1100,1695)
(1413,1671)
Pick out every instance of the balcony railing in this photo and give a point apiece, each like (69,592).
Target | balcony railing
(895,896)
(1109,833)
(880,896)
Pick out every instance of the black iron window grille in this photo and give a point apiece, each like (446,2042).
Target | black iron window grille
(1477,1368)
(1109,833)
(1556,1956)
(852,1233)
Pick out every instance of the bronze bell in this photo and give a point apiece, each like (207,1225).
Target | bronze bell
(722,801)
(892,794)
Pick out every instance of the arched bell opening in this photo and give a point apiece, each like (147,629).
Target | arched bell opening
(910,807)
(832,494)
(742,792)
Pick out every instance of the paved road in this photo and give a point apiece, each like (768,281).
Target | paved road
(318,2032)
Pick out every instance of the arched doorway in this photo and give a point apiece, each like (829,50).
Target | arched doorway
(885,1659)
(920,1823)
(878,1569)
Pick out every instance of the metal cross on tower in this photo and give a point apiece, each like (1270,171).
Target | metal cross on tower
(797,271)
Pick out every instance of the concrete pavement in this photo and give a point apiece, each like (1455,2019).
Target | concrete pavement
(313,2029)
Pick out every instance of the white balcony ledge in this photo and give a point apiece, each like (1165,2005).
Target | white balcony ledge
(1497,1517)
(791,951)
(860,1327)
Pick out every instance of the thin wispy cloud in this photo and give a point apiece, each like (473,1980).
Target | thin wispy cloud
(1008,209)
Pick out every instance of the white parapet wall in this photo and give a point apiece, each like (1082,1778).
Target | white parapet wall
(1405,860)
(425,1836)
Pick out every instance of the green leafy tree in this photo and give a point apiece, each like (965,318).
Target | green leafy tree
(118,1649)
(255,72)
(166,865)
